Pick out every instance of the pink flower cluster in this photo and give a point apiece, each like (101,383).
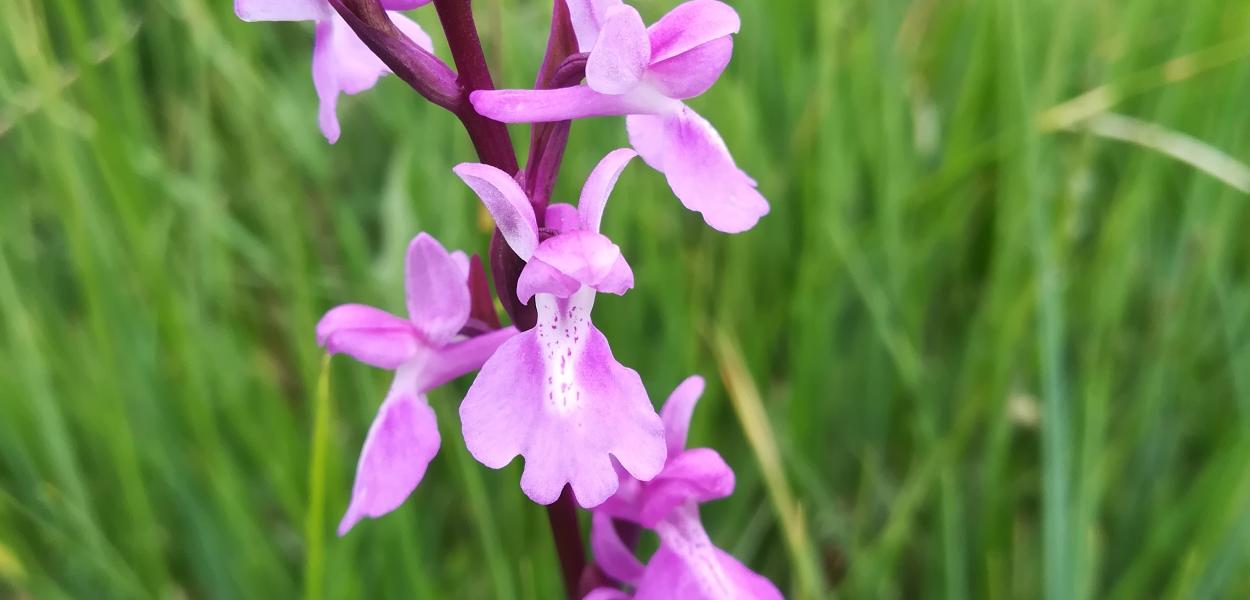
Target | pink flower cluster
(552,393)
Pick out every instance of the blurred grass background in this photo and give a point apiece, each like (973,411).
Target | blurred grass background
(998,318)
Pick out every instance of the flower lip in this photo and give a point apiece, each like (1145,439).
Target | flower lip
(568,410)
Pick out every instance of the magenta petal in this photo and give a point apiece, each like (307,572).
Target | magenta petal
(401,442)
(691,24)
(342,63)
(283,10)
(698,475)
(699,169)
(599,186)
(562,218)
(539,277)
(626,503)
(544,106)
(555,395)
(611,554)
(677,412)
(621,54)
(688,566)
(588,17)
(751,584)
(452,361)
(506,202)
(584,255)
(606,593)
(462,262)
(437,290)
(692,72)
(716,577)
(587,257)
(371,336)
(619,279)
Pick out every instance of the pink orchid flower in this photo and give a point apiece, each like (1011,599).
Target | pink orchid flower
(555,394)
(646,73)
(425,351)
(687,564)
(341,63)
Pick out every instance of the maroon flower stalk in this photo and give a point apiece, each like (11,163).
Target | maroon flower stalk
(548,140)
(490,138)
(420,69)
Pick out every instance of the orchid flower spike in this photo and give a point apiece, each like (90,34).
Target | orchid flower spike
(555,394)
(646,73)
(425,351)
(341,62)
(687,564)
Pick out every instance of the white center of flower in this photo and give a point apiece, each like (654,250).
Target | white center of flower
(563,326)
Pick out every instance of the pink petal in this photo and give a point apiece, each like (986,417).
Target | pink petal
(342,63)
(506,202)
(556,396)
(699,169)
(452,361)
(562,218)
(539,277)
(371,336)
(699,475)
(691,24)
(588,17)
(611,554)
(692,72)
(626,503)
(606,593)
(619,279)
(599,186)
(677,411)
(462,262)
(401,442)
(283,10)
(584,257)
(621,54)
(715,577)
(437,290)
(577,102)
(688,566)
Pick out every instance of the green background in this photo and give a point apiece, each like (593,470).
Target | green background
(998,318)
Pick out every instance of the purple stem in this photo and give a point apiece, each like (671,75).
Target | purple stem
(567,534)
(428,75)
(547,140)
(505,268)
(490,138)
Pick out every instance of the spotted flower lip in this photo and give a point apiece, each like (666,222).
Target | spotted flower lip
(425,350)
(341,63)
(555,394)
(645,74)
(687,564)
